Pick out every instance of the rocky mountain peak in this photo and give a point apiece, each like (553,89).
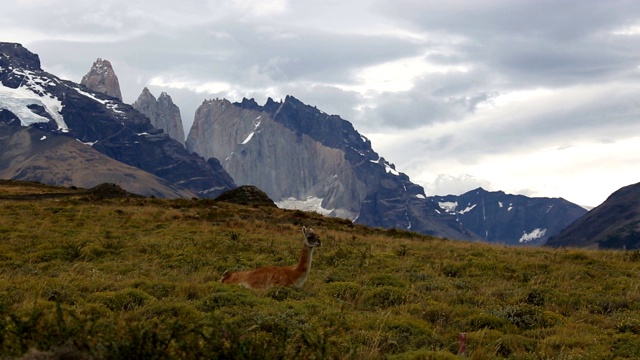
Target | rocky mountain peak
(102,78)
(306,159)
(14,55)
(162,113)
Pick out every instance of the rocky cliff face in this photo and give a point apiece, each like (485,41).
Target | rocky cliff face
(162,113)
(614,224)
(510,219)
(303,158)
(102,78)
(33,98)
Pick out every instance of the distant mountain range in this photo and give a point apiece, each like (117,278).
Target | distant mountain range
(60,132)
(510,219)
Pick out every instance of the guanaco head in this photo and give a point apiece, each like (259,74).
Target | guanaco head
(310,237)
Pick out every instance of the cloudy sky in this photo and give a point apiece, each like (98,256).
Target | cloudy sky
(540,98)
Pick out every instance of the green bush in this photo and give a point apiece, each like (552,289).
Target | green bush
(487,321)
(125,300)
(525,317)
(384,297)
(227,297)
(346,291)
(385,280)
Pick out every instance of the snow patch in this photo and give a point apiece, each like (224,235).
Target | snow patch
(467,209)
(448,206)
(535,234)
(109,104)
(29,93)
(248,138)
(44,137)
(311,203)
(451,206)
(88,143)
(390,170)
(255,127)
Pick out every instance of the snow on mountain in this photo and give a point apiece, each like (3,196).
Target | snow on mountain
(533,235)
(312,203)
(33,102)
(509,219)
(31,93)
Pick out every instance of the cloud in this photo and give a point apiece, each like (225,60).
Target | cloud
(490,89)
(455,184)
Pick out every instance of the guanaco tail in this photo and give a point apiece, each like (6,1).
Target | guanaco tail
(266,277)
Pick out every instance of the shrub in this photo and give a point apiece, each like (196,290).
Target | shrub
(626,346)
(378,280)
(487,321)
(346,291)
(126,300)
(233,296)
(524,316)
(384,297)
(157,289)
(512,344)
(284,293)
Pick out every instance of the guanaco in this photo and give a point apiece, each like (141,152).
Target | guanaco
(266,277)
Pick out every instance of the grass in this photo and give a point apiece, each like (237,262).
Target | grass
(139,278)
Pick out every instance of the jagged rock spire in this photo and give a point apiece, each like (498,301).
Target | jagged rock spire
(102,78)
(162,113)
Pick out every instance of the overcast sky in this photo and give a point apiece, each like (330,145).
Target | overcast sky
(540,98)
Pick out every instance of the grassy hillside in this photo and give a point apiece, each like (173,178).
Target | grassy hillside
(139,278)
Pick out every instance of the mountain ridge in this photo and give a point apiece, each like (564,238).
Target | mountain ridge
(510,219)
(41,100)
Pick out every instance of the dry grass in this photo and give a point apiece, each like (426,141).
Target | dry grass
(139,278)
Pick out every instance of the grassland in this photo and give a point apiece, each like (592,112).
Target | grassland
(139,278)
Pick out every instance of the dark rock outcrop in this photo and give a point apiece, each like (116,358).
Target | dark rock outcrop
(510,219)
(614,224)
(102,78)
(162,113)
(246,195)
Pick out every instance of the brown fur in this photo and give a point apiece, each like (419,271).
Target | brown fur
(266,277)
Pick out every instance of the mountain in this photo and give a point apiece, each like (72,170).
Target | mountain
(510,219)
(36,99)
(162,113)
(306,159)
(614,224)
(102,78)
(35,155)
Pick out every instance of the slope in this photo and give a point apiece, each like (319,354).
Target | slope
(32,154)
(614,224)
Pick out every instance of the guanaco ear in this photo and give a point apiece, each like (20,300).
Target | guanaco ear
(304,230)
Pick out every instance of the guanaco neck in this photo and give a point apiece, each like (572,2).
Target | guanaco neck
(305,258)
